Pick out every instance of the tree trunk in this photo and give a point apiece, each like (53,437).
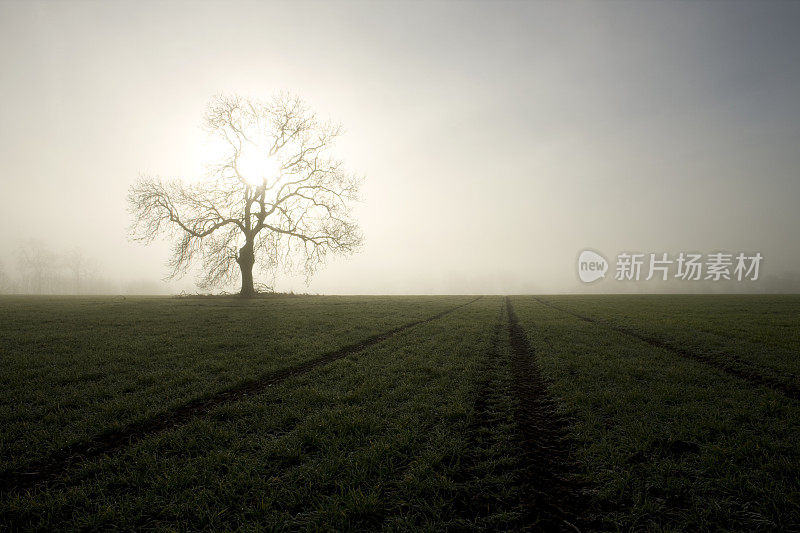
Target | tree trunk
(246,261)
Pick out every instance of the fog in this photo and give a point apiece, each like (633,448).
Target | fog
(496,140)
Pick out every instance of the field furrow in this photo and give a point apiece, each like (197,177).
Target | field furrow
(758,330)
(731,364)
(555,500)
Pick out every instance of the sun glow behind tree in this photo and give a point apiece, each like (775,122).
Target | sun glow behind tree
(273,195)
(257,167)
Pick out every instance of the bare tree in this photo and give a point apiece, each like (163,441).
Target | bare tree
(275,197)
(5,285)
(37,267)
(79,266)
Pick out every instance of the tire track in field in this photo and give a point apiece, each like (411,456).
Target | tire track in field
(555,497)
(49,469)
(752,373)
(478,497)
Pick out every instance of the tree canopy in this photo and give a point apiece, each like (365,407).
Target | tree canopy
(275,197)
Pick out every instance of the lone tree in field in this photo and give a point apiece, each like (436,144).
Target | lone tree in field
(275,197)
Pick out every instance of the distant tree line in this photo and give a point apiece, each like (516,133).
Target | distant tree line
(36,269)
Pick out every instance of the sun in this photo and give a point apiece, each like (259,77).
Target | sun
(256,167)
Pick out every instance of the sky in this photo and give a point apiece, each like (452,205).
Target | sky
(496,140)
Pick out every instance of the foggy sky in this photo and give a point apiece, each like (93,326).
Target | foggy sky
(497,140)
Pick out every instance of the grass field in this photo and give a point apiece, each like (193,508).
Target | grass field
(400,413)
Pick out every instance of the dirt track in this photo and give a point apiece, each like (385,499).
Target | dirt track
(556,501)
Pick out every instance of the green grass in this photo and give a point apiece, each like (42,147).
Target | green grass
(669,443)
(75,367)
(762,330)
(377,438)
(414,432)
